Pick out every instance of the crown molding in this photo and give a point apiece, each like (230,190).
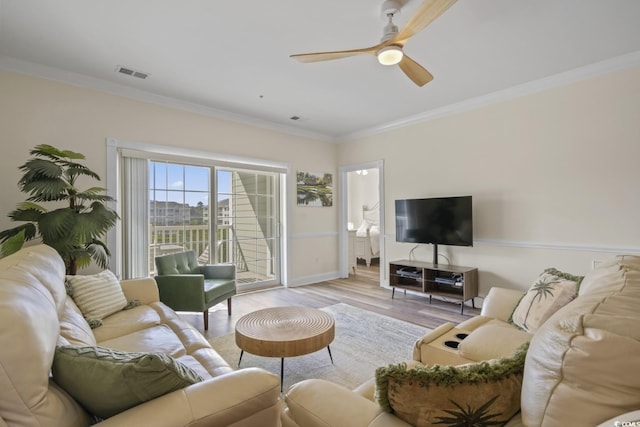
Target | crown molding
(562,79)
(80,80)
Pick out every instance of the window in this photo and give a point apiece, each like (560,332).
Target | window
(178,209)
(224,211)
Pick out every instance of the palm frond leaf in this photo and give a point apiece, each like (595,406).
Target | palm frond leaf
(470,417)
(46,189)
(94,197)
(36,169)
(23,206)
(75,169)
(57,225)
(86,228)
(27,231)
(94,190)
(94,222)
(80,255)
(99,253)
(94,193)
(12,244)
(103,217)
(46,150)
(28,215)
(64,247)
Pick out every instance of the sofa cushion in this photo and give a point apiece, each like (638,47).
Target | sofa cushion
(492,340)
(126,322)
(107,381)
(451,395)
(213,288)
(32,299)
(599,280)
(551,291)
(158,338)
(74,328)
(584,360)
(97,295)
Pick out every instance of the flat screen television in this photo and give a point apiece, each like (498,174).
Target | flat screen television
(437,220)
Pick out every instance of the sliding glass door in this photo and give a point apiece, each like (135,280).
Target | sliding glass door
(246,226)
(244,229)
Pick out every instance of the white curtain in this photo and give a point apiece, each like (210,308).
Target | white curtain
(135,217)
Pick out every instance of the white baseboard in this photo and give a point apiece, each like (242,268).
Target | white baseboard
(307,280)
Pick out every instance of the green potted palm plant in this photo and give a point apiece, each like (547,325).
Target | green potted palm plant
(78,219)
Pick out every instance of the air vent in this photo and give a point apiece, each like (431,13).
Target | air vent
(131,72)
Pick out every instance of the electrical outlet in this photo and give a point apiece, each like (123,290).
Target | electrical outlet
(595,263)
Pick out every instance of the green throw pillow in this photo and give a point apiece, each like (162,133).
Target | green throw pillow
(487,392)
(107,381)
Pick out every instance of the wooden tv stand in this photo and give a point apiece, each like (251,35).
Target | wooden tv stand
(449,282)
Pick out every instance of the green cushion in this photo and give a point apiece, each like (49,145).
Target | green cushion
(177,263)
(107,381)
(453,395)
(213,288)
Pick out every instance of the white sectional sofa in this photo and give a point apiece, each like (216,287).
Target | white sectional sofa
(37,315)
(582,367)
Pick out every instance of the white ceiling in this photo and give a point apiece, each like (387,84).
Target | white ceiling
(231,59)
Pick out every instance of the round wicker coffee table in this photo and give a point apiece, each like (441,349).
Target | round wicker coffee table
(284,332)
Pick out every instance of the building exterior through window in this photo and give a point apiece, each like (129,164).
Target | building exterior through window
(181,199)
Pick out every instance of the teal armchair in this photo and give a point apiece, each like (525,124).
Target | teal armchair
(186,286)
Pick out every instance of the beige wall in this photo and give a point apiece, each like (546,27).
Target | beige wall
(35,111)
(555,177)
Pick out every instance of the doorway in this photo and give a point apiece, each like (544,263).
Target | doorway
(362,204)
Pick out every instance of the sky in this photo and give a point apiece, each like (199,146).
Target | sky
(184,183)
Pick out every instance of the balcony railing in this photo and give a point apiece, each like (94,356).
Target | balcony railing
(168,239)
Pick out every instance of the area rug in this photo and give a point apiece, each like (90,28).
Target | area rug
(364,341)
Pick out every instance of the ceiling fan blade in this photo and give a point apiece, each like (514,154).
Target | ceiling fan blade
(416,72)
(328,56)
(426,14)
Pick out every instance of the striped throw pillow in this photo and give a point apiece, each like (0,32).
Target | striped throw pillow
(97,295)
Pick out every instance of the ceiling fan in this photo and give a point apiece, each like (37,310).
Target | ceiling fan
(389,50)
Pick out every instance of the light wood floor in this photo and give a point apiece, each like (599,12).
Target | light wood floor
(361,290)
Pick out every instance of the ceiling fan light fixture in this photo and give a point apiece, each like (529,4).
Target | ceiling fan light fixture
(390,55)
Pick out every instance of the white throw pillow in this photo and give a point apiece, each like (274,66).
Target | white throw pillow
(548,294)
(362,230)
(97,295)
